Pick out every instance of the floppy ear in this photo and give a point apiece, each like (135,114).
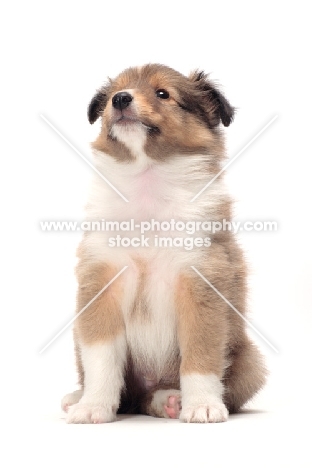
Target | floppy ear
(97,105)
(215,105)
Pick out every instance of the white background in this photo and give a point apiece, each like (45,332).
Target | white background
(54,56)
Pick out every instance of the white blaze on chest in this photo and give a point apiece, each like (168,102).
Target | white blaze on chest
(149,315)
(155,190)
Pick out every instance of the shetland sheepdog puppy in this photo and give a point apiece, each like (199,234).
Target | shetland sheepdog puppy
(159,340)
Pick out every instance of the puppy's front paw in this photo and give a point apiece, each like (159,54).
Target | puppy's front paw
(83,413)
(211,412)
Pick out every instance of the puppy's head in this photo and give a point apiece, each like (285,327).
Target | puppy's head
(160,111)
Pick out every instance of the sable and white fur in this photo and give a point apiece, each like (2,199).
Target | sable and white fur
(159,340)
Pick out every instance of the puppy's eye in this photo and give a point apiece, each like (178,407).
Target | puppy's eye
(162,94)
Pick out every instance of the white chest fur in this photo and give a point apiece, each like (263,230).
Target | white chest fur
(148,309)
(155,191)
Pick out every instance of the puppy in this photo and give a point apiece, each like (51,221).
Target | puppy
(159,340)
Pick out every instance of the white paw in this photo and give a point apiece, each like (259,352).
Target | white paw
(82,413)
(166,404)
(211,412)
(70,399)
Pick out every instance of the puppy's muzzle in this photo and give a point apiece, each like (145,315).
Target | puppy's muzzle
(121,100)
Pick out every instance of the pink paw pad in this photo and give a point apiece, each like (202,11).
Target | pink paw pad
(173,406)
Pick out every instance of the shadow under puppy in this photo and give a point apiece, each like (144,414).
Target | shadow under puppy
(159,340)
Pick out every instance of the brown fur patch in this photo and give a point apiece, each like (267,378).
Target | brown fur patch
(202,321)
(102,320)
(245,376)
(114,148)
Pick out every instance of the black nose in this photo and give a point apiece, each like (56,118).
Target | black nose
(121,100)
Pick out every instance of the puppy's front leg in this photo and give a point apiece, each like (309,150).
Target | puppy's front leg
(101,344)
(103,367)
(202,333)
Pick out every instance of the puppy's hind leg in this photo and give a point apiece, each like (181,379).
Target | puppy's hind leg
(71,399)
(162,402)
(245,376)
